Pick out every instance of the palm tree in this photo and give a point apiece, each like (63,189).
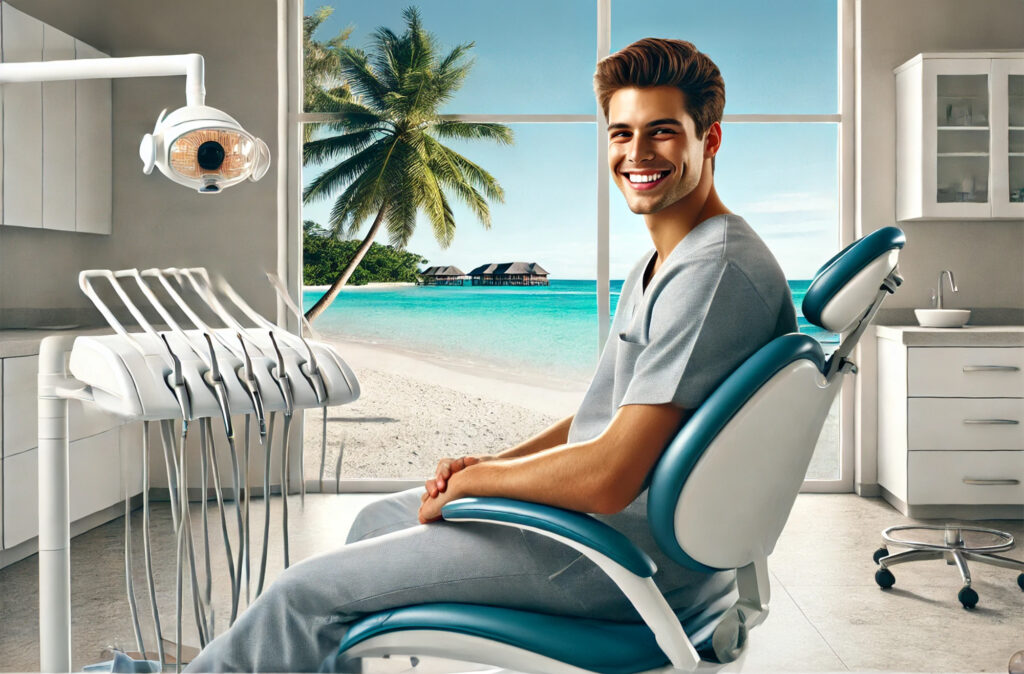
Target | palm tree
(394,164)
(322,90)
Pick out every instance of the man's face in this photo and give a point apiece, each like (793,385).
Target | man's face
(654,152)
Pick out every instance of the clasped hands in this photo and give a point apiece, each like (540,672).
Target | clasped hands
(439,490)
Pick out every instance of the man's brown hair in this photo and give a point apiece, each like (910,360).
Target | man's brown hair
(656,62)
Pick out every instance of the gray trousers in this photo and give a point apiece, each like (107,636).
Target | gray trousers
(390,560)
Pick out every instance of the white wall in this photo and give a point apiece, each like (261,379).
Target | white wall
(987,258)
(157,222)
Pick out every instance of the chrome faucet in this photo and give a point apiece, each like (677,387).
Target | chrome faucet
(952,284)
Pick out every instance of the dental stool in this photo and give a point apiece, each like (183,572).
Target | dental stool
(718,499)
(954,548)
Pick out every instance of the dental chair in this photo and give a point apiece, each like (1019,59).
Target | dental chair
(719,497)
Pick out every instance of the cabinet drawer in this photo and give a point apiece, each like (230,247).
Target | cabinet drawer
(21,404)
(21,428)
(95,477)
(973,372)
(939,478)
(965,423)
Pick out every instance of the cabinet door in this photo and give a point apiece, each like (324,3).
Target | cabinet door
(956,143)
(94,481)
(93,170)
(20,404)
(23,123)
(58,137)
(1008,138)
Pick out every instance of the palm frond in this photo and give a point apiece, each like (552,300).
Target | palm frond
(336,176)
(454,129)
(362,80)
(323,149)
(474,174)
(451,178)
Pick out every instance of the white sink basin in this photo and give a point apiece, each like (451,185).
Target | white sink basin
(942,318)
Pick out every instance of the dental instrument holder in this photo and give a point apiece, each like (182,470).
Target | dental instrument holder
(153,376)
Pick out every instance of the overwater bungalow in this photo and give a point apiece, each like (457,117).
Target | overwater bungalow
(441,276)
(509,274)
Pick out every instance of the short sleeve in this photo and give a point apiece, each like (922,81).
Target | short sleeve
(705,321)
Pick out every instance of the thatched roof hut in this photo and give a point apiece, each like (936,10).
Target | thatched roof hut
(509,274)
(442,275)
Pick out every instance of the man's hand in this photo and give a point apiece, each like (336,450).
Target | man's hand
(448,467)
(430,506)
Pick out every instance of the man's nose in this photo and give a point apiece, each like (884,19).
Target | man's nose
(639,149)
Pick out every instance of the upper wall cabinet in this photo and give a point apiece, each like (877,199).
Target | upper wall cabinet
(55,147)
(960,136)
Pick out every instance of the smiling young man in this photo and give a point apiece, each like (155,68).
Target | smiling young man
(707,296)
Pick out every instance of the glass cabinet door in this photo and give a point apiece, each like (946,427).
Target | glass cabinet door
(1008,137)
(957,137)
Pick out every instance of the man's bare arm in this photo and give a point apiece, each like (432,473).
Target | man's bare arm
(552,436)
(602,475)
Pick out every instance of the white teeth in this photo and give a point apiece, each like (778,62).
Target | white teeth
(644,178)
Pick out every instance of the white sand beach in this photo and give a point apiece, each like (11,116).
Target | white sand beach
(415,409)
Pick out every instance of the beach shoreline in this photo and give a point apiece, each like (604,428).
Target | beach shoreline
(367,286)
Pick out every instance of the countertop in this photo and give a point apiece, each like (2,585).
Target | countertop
(15,343)
(970,335)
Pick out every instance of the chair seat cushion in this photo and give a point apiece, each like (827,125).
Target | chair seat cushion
(595,645)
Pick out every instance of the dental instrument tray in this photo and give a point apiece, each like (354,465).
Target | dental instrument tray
(181,375)
(231,370)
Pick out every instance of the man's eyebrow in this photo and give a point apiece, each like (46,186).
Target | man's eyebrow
(657,122)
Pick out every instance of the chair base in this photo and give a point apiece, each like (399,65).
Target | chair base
(954,550)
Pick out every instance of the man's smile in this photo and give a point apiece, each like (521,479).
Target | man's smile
(647,179)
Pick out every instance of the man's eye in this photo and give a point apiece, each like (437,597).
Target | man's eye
(668,131)
(619,133)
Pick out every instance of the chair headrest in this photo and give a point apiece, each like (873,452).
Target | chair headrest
(845,286)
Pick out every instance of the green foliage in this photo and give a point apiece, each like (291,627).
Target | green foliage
(384,154)
(325,256)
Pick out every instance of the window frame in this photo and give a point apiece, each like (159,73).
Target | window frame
(292,118)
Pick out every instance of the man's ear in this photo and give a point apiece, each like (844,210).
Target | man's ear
(712,140)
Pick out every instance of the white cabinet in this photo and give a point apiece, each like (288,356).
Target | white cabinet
(951,424)
(55,137)
(105,459)
(960,136)
(95,484)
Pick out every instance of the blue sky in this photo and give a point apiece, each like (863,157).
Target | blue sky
(538,57)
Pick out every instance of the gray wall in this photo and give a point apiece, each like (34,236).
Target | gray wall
(987,257)
(157,222)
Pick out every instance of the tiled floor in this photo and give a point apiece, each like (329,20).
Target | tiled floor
(827,614)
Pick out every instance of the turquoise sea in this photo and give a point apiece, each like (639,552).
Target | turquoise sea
(543,330)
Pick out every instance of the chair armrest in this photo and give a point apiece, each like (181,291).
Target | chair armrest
(570,524)
(629,567)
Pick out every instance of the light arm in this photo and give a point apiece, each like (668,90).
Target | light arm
(189,65)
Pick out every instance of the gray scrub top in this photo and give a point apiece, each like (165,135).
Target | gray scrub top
(718,297)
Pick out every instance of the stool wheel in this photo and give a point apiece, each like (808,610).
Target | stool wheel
(882,552)
(884,578)
(1020,581)
(968,597)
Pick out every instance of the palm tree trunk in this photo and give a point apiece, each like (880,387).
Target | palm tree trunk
(325,301)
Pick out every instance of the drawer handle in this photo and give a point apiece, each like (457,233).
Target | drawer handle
(991,368)
(991,483)
(996,422)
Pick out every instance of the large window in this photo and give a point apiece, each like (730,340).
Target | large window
(449,369)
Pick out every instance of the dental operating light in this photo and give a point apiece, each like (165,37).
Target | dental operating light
(196,145)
